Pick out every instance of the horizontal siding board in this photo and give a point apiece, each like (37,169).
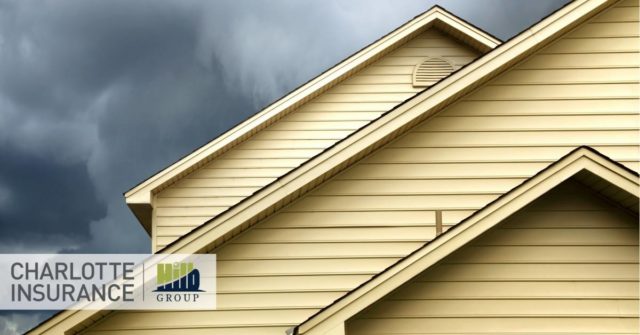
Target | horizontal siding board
(535,272)
(559,253)
(317,125)
(418,187)
(411,61)
(384,79)
(572,218)
(276,301)
(493,154)
(225,182)
(305,134)
(530,123)
(594,45)
(241,173)
(256,163)
(184,221)
(302,267)
(187,192)
(292,219)
(444,170)
(444,52)
(437,40)
(194,202)
(333,116)
(189,211)
(288,144)
(509,308)
(560,92)
(341,107)
(397,202)
(582,61)
(544,107)
(567,76)
(612,29)
(377,88)
(560,236)
(273,154)
(303,283)
(241,251)
(582,325)
(395,98)
(518,138)
(346,234)
(167,233)
(504,290)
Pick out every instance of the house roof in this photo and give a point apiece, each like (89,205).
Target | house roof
(139,197)
(349,150)
(297,182)
(609,178)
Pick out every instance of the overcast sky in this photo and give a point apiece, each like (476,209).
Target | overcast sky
(96,96)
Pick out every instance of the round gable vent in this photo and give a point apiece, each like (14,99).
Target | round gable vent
(430,71)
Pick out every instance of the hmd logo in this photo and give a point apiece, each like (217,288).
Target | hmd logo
(176,282)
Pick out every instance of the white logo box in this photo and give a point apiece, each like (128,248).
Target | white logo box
(107,281)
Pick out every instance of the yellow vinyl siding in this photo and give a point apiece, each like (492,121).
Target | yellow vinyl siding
(568,263)
(297,137)
(355,225)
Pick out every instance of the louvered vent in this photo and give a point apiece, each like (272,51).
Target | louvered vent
(430,71)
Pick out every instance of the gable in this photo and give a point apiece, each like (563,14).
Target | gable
(567,263)
(298,136)
(139,198)
(612,182)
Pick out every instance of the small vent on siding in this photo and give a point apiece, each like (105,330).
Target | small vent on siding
(430,71)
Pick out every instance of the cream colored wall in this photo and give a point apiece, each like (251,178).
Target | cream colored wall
(286,268)
(297,137)
(566,264)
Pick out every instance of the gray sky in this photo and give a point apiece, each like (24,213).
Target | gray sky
(96,96)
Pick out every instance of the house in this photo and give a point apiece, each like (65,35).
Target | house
(436,181)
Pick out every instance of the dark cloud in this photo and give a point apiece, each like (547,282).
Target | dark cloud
(95,96)
(59,199)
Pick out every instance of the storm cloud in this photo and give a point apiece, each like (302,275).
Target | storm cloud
(96,96)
